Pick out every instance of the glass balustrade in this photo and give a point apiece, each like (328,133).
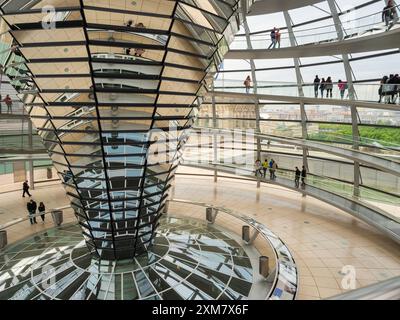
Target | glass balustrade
(355,28)
(368,92)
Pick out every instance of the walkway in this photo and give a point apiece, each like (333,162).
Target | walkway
(307,100)
(375,217)
(354,155)
(374,42)
(322,238)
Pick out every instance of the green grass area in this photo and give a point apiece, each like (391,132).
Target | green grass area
(333,132)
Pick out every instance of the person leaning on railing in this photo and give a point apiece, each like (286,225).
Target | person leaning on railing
(389,14)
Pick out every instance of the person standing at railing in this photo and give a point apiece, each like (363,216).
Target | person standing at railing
(273,39)
(274,168)
(265,167)
(8,101)
(322,87)
(329,87)
(342,85)
(297,177)
(393,88)
(278,38)
(389,14)
(390,89)
(32,206)
(42,210)
(317,81)
(382,88)
(303,176)
(257,168)
(397,89)
(247,84)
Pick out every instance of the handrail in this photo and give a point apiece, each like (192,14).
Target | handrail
(385,290)
(20,220)
(389,227)
(261,33)
(283,256)
(320,146)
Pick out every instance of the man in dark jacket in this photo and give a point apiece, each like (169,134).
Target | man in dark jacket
(273,39)
(389,14)
(297,177)
(25,189)
(32,206)
(317,81)
(303,176)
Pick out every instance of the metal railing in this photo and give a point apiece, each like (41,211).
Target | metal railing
(385,290)
(285,273)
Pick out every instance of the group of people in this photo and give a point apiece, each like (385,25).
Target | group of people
(322,85)
(389,89)
(32,206)
(298,174)
(138,52)
(275,38)
(262,168)
(8,102)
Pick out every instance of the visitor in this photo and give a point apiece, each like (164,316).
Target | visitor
(129,23)
(342,85)
(297,177)
(8,101)
(317,81)
(322,87)
(271,162)
(278,38)
(273,39)
(139,51)
(389,14)
(390,88)
(274,168)
(258,167)
(42,210)
(265,166)
(329,87)
(397,88)
(303,176)
(25,189)
(247,84)
(32,206)
(382,88)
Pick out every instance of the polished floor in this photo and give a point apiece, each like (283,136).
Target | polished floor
(322,239)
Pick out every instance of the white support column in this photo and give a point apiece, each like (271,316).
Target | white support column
(354,113)
(299,79)
(214,134)
(31,168)
(254,79)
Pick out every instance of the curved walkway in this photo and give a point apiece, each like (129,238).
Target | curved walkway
(307,100)
(375,217)
(322,238)
(354,155)
(273,6)
(374,42)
